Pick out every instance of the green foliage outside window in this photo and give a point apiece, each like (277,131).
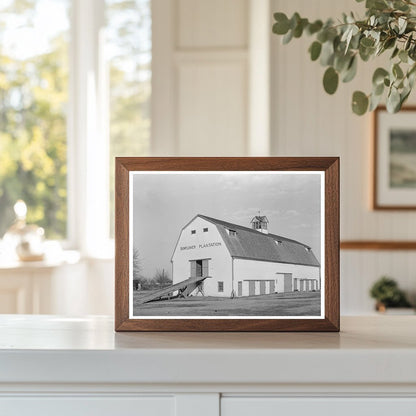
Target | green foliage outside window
(33,99)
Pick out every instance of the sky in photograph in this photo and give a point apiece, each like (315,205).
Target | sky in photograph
(164,203)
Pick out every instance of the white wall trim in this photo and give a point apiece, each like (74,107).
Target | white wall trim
(88,208)
(259,82)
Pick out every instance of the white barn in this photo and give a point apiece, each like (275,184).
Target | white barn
(242,261)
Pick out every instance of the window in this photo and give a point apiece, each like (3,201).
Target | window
(278,242)
(232,233)
(220,286)
(205,230)
(193,231)
(74,92)
(34,89)
(129,56)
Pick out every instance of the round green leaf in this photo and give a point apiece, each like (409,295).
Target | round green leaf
(395,52)
(327,54)
(393,101)
(359,103)
(408,42)
(378,90)
(281,27)
(389,43)
(367,42)
(314,27)
(397,71)
(298,30)
(330,80)
(403,56)
(366,53)
(315,50)
(351,71)
(374,102)
(379,75)
(288,37)
(341,61)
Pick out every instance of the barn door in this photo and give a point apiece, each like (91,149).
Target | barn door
(240,289)
(193,268)
(204,268)
(251,288)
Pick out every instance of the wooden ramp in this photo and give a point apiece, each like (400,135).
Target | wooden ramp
(184,289)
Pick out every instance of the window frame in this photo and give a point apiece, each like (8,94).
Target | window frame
(88,136)
(87,133)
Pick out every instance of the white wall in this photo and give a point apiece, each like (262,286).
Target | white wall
(203,85)
(308,122)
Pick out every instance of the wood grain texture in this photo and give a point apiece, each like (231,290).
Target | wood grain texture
(330,165)
(378,245)
(376,204)
(121,244)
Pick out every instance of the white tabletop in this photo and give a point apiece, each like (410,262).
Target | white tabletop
(376,349)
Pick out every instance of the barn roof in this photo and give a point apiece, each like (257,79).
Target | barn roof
(252,244)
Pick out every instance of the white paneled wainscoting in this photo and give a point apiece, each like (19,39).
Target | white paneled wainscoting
(360,269)
(210,75)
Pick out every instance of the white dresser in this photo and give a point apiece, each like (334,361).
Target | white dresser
(79,366)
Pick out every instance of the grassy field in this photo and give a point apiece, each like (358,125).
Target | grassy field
(278,304)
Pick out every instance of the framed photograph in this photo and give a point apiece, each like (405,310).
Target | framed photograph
(394,180)
(227,244)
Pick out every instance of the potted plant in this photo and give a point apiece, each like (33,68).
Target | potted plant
(389,27)
(387,294)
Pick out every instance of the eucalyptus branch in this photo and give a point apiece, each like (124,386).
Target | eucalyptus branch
(388,25)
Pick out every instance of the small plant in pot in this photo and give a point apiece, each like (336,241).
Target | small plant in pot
(387,294)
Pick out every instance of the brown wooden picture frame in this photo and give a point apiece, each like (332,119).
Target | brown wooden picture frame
(329,165)
(376,204)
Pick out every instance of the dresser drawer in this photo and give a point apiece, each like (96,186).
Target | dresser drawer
(273,406)
(88,406)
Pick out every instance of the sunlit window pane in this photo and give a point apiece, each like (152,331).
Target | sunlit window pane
(33,102)
(129,46)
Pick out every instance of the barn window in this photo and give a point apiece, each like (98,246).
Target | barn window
(193,231)
(205,230)
(220,286)
(232,233)
(278,242)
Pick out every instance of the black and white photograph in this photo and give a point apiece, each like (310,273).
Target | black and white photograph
(226,244)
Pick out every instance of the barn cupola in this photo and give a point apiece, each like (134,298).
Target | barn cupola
(259,223)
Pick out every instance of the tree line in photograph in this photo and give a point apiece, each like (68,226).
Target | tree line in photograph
(158,280)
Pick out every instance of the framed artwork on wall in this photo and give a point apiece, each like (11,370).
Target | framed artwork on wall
(394,159)
(227,244)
